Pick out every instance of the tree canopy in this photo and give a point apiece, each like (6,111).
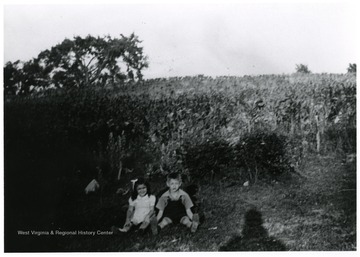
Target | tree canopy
(351,68)
(78,62)
(302,68)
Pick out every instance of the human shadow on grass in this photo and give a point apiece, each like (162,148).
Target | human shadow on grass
(254,236)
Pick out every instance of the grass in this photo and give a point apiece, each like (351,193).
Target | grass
(312,211)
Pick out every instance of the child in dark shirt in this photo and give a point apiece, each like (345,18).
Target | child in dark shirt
(175,206)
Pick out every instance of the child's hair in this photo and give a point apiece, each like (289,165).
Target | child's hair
(140,181)
(174,175)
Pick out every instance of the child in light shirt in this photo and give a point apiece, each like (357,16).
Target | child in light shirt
(141,208)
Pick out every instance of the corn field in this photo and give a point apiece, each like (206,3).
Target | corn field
(145,126)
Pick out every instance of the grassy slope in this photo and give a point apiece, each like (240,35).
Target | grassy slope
(316,211)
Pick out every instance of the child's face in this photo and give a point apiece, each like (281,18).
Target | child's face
(142,190)
(174,185)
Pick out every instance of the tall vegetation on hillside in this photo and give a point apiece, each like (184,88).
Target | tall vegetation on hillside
(170,124)
(79,62)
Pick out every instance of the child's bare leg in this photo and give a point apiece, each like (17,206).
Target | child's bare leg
(193,225)
(186,221)
(144,225)
(165,221)
(154,225)
(195,222)
(126,227)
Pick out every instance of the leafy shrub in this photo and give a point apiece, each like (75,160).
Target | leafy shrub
(209,158)
(262,154)
(257,155)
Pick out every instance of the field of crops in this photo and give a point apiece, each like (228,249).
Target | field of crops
(210,129)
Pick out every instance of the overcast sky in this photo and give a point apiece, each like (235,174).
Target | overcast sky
(238,39)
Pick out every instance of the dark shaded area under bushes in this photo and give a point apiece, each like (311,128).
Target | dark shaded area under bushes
(256,155)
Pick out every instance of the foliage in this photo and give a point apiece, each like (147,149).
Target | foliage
(351,68)
(208,159)
(168,124)
(21,78)
(302,68)
(78,62)
(56,141)
(11,78)
(256,155)
(262,154)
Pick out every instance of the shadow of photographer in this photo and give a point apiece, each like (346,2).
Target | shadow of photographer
(254,236)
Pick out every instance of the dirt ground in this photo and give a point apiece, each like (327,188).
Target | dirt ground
(313,210)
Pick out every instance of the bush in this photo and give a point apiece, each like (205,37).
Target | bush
(256,155)
(209,158)
(262,154)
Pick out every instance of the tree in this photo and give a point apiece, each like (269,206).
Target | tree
(22,78)
(80,62)
(302,68)
(85,61)
(11,78)
(351,68)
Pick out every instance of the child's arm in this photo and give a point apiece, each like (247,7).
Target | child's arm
(160,214)
(188,204)
(189,213)
(160,206)
(150,214)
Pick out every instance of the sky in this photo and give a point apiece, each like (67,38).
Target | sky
(189,39)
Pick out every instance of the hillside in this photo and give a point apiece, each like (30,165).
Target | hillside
(288,136)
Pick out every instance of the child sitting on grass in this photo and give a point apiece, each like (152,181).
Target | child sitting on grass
(175,206)
(141,208)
